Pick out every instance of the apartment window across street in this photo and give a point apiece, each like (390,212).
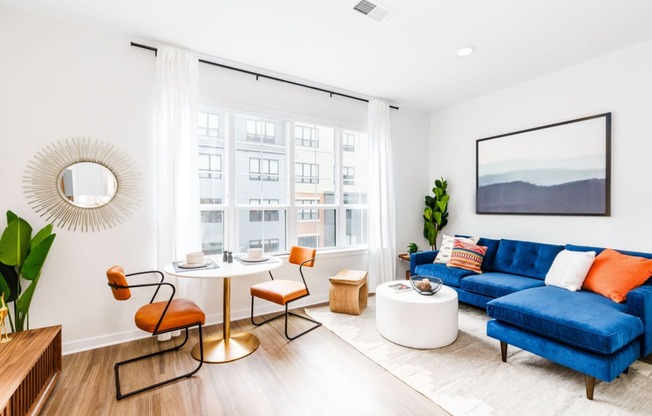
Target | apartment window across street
(348,142)
(306,136)
(210,165)
(307,214)
(267,167)
(348,174)
(208,124)
(267,214)
(270,182)
(258,130)
(307,173)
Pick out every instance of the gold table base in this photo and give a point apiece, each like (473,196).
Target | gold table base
(216,350)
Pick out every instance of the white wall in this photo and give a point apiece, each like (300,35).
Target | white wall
(620,83)
(58,81)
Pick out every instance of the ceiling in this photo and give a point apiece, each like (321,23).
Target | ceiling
(408,59)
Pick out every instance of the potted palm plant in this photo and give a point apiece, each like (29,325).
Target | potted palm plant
(21,260)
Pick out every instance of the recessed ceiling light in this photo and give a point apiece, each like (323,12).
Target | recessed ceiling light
(466,51)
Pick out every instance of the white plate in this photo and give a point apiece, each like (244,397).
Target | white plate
(185,265)
(248,260)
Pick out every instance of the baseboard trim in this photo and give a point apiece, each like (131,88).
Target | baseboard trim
(86,344)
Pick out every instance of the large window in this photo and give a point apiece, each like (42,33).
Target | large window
(269,182)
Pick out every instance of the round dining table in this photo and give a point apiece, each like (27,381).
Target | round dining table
(227,346)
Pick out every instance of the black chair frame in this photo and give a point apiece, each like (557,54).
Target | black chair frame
(286,312)
(116,367)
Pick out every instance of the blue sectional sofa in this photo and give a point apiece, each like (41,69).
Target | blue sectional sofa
(581,330)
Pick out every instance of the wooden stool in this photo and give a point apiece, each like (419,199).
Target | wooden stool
(349,292)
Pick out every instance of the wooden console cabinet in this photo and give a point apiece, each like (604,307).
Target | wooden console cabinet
(29,367)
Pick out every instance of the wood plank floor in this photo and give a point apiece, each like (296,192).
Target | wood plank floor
(317,374)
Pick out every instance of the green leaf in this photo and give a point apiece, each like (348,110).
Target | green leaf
(442,206)
(438,183)
(14,243)
(41,235)
(4,288)
(10,278)
(430,201)
(438,192)
(34,262)
(26,298)
(11,216)
(437,216)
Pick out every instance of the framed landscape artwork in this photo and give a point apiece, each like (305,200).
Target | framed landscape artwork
(558,169)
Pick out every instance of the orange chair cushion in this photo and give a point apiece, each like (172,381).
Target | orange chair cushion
(614,274)
(181,313)
(279,291)
(116,275)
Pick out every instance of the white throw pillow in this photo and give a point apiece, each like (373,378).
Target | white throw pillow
(446,247)
(569,269)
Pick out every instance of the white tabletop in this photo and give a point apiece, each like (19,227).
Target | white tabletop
(445,294)
(225,269)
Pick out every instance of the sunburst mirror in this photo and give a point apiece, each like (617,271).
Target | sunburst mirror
(82,183)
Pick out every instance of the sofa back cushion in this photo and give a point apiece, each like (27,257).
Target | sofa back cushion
(525,258)
(490,255)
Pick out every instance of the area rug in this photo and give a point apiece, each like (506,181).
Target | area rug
(469,378)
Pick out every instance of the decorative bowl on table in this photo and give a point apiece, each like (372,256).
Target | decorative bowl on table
(426,285)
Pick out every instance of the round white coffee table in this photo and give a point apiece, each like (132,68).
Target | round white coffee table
(416,321)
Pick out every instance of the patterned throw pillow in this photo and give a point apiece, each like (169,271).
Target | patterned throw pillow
(467,256)
(447,247)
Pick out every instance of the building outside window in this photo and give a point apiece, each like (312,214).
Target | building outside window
(348,174)
(306,136)
(348,142)
(263,169)
(307,214)
(307,173)
(208,124)
(252,155)
(260,131)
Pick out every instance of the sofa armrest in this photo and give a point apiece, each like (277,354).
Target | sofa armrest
(421,257)
(639,303)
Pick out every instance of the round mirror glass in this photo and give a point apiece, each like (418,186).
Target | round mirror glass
(87,184)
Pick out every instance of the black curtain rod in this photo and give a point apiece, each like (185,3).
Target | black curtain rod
(258,75)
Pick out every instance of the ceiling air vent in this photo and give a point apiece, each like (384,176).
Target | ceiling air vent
(371,10)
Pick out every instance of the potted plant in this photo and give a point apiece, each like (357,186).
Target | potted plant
(412,248)
(21,260)
(435,213)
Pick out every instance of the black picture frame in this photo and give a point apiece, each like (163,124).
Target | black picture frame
(557,169)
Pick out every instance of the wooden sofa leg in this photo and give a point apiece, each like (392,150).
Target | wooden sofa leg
(503,351)
(590,386)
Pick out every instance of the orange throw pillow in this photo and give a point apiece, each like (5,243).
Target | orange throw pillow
(614,274)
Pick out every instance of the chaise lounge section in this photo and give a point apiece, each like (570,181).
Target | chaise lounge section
(582,330)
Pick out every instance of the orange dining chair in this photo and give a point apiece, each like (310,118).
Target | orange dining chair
(282,292)
(156,318)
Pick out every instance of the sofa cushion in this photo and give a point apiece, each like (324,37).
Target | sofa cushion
(614,274)
(490,255)
(450,276)
(495,284)
(446,247)
(581,319)
(525,258)
(467,256)
(569,269)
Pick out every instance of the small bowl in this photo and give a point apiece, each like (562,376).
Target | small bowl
(435,284)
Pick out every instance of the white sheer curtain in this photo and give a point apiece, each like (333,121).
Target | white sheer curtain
(178,182)
(381,211)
